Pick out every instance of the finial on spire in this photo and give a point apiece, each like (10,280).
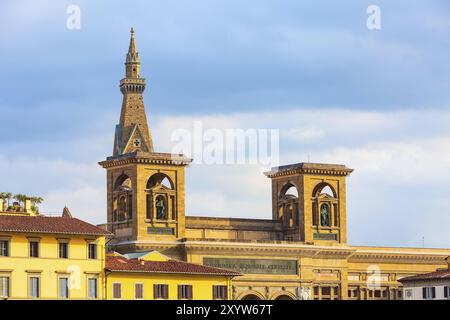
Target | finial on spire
(132,47)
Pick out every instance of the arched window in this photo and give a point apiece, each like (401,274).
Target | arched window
(325,206)
(161,203)
(288,205)
(122,198)
(324,188)
(123,181)
(289,190)
(160,179)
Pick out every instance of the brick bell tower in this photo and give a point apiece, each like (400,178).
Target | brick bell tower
(310,201)
(145,189)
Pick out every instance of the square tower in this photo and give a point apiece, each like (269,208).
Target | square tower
(145,189)
(310,201)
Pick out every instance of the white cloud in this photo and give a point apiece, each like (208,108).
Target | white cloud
(87,203)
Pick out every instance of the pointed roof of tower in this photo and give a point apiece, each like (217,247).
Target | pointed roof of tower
(133,54)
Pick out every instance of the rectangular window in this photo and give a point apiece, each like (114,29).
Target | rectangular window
(447,292)
(4,287)
(326,291)
(185,291)
(63,250)
(64,288)
(161,291)
(34,248)
(220,292)
(92,288)
(336,292)
(429,293)
(117,291)
(4,248)
(92,251)
(34,287)
(138,291)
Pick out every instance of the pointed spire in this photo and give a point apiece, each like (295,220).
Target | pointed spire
(132,55)
(66,213)
(132,48)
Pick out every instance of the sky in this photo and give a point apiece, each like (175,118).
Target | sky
(377,101)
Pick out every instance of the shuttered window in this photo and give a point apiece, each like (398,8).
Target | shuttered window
(184,291)
(139,291)
(220,292)
(34,287)
(34,249)
(4,287)
(161,291)
(92,251)
(92,288)
(64,288)
(4,248)
(429,293)
(117,291)
(63,250)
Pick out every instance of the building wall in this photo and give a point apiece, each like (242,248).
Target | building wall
(49,267)
(201,284)
(367,271)
(414,290)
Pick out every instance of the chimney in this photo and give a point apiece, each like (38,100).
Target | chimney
(28,206)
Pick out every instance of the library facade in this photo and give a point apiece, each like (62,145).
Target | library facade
(301,253)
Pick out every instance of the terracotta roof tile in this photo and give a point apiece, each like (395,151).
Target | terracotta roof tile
(122,264)
(437,275)
(43,224)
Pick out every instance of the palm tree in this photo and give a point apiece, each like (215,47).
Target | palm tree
(21,198)
(34,202)
(8,197)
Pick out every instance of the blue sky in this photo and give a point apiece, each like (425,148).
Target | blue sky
(378,101)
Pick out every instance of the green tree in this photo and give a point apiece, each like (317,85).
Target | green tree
(8,197)
(34,203)
(21,198)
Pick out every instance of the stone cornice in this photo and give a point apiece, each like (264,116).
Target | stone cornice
(146,158)
(286,249)
(309,168)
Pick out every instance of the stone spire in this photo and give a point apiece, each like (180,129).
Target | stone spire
(132,133)
(132,62)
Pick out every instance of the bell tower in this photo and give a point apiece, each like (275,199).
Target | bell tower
(145,189)
(309,199)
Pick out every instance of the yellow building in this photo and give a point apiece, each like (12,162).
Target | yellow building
(300,253)
(50,257)
(152,276)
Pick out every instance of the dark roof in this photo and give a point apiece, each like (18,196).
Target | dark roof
(437,275)
(44,224)
(122,264)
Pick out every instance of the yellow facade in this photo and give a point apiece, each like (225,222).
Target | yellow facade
(52,271)
(202,284)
